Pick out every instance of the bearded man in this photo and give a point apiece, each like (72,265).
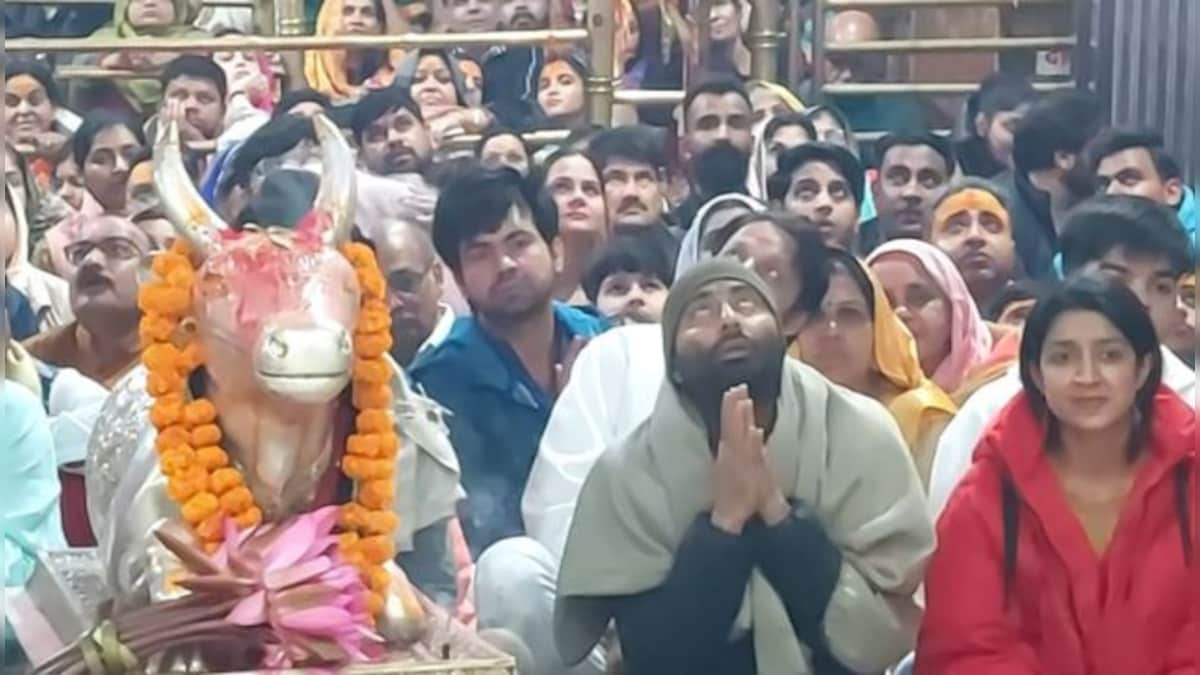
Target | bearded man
(761,521)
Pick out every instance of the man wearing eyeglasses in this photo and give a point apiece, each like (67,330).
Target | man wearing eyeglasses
(420,320)
(102,342)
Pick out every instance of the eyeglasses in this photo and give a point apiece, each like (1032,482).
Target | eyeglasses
(407,281)
(113,248)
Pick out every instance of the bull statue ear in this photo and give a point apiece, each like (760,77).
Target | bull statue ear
(337,194)
(193,219)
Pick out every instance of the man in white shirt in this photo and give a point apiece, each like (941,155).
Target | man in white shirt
(1131,239)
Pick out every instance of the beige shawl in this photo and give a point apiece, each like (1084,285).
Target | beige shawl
(839,453)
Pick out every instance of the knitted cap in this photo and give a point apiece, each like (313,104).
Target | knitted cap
(686,287)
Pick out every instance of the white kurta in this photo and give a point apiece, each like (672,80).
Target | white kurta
(612,390)
(956,447)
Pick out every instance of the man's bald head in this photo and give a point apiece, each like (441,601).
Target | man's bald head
(414,277)
(852,26)
(404,239)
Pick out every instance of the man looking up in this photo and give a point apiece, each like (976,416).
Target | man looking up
(971,225)
(913,172)
(1131,239)
(1137,163)
(499,370)
(391,135)
(717,122)
(1049,173)
(420,321)
(102,342)
(823,183)
(706,541)
(632,163)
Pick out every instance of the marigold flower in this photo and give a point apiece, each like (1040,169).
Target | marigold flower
(205,434)
(376,549)
(237,500)
(163,382)
(372,345)
(363,445)
(160,357)
(200,412)
(378,579)
(210,529)
(211,457)
(180,489)
(251,517)
(170,437)
(154,328)
(166,411)
(373,321)
(176,460)
(352,516)
(223,480)
(389,445)
(374,421)
(375,494)
(199,507)
(372,371)
(380,522)
(368,396)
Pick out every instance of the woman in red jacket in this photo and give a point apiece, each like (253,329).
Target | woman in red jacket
(1066,549)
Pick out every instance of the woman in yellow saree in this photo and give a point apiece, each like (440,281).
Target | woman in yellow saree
(857,341)
(346,74)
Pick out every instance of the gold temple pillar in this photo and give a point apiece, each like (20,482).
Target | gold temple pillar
(601,36)
(764,40)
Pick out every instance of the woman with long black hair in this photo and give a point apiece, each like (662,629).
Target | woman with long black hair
(1067,548)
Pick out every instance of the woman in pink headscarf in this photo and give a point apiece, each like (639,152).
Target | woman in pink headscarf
(930,296)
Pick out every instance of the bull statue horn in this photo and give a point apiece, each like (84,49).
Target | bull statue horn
(336,196)
(193,219)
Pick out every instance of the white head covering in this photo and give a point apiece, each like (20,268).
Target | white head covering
(691,250)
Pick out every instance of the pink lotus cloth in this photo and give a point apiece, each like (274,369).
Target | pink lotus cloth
(970,339)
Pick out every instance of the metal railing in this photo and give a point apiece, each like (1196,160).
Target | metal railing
(1078,43)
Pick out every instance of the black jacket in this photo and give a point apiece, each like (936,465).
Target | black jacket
(683,626)
(1033,225)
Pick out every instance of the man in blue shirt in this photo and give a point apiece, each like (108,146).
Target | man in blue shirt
(499,371)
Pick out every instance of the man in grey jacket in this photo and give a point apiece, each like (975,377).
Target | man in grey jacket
(761,521)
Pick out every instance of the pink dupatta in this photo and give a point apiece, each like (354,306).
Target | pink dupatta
(970,339)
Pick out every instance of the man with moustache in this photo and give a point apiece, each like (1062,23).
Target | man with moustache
(717,124)
(913,172)
(420,321)
(632,165)
(760,521)
(391,134)
(499,370)
(102,342)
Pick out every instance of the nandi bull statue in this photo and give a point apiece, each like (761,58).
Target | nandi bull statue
(265,393)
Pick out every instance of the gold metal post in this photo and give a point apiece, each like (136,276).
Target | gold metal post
(764,40)
(928,88)
(277,43)
(601,33)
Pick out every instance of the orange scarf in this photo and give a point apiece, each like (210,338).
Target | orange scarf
(325,69)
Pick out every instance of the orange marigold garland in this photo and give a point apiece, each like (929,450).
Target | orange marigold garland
(199,476)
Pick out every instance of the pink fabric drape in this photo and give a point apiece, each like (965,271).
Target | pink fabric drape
(970,339)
